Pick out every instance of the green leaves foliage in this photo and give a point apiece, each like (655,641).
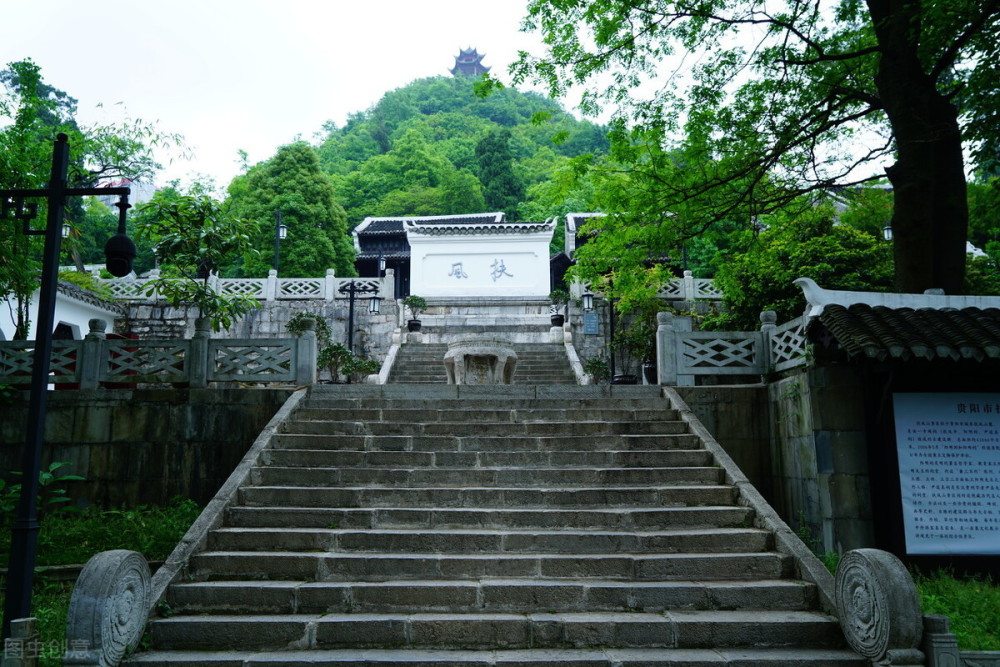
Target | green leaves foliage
(194,237)
(293,184)
(759,103)
(802,244)
(414,153)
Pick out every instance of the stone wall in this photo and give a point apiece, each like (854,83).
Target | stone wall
(737,416)
(144,446)
(819,457)
(372,333)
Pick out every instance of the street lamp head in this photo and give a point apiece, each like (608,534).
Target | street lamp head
(374,304)
(588,301)
(282,232)
(65,231)
(119,251)
(887,232)
(381,263)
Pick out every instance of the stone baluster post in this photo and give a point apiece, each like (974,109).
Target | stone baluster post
(330,289)
(689,293)
(305,357)
(93,354)
(23,646)
(387,288)
(668,348)
(271,286)
(153,275)
(199,361)
(768,323)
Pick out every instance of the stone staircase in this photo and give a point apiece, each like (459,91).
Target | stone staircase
(537,363)
(460,526)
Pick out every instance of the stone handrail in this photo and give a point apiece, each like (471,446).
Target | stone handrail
(682,353)
(685,288)
(96,360)
(272,288)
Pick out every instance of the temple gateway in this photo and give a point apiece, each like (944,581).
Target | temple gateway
(471,255)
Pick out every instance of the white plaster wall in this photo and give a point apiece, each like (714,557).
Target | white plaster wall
(488,265)
(71,312)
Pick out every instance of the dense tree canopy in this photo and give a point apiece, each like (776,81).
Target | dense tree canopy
(32,113)
(786,97)
(292,183)
(414,153)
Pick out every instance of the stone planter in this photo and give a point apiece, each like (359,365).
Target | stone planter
(557,319)
(413,325)
(625,378)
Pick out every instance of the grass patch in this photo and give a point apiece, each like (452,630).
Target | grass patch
(73,537)
(972,602)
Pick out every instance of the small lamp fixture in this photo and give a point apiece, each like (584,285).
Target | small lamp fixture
(120,250)
(887,232)
(65,231)
(381,265)
(588,301)
(282,232)
(374,304)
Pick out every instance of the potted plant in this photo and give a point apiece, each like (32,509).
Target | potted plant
(559,299)
(632,343)
(334,357)
(597,369)
(357,368)
(415,304)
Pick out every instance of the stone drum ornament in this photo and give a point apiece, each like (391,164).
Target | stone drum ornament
(108,609)
(480,360)
(879,608)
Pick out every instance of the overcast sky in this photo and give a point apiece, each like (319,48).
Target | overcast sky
(248,74)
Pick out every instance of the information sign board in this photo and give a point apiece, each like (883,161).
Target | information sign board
(949,471)
(590,324)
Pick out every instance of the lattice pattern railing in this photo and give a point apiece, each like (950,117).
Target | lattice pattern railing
(146,361)
(721,353)
(705,288)
(683,354)
(248,360)
(672,290)
(264,289)
(17,359)
(251,287)
(301,288)
(788,345)
(194,362)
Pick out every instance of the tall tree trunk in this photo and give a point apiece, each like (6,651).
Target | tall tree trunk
(930,213)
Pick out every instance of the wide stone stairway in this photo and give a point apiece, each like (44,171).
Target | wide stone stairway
(517,525)
(537,363)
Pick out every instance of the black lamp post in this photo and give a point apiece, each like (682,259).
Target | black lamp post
(280,233)
(120,251)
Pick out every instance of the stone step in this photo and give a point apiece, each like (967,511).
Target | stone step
(502,415)
(486,395)
(483,477)
(315,566)
(680,629)
(484,497)
(603,657)
(408,517)
(461,429)
(445,443)
(523,459)
(487,595)
(450,540)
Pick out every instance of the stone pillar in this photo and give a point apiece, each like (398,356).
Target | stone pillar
(92,354)
(271,286)
(305,364)
(768,323)
(199,362)
(668,348)
(21,649)
(940,646)
(688,292)
(330,288)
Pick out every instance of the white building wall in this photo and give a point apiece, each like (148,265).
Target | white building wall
(480,265)
(75,314)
